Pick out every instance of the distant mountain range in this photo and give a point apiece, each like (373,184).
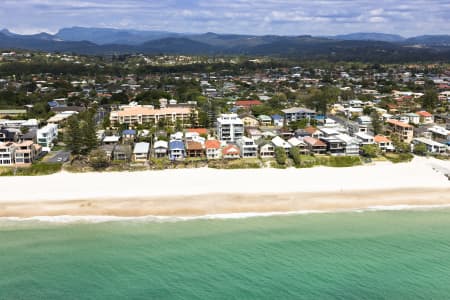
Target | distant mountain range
(356,46)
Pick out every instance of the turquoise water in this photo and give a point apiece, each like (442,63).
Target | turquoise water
(371,255)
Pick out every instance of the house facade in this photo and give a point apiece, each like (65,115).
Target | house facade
(248,147)
(400,129)
(46,135)
(230,127)
(212,148)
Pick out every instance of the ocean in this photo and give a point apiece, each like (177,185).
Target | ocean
(353,255)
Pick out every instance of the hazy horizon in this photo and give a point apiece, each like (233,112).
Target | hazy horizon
(265,17)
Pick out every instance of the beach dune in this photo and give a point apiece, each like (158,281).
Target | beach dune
(198,192)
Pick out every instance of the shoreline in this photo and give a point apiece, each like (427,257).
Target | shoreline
(202,192)
(231,204)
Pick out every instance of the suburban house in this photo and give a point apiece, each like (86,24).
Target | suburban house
(231,151)
(440,133)
(111,140)
(315,146)
(249,121)
(229,127)
(265,120)
(425,117)
(140,152)
(309,131)
(194,149)
(212,148)
(334,145)
(413,118)
(253,133)
(129,135)
(248,147)
(278,120)
(266,149)
(354,128)
(384,143)
(247,104)
(122,152)
(177,151)
(402,130)
(46,135)
(132,115)
(298,113)
(160,149)
(279,142)
(108,149)
(7,154)
(432,146)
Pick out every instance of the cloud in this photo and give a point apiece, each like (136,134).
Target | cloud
(287,17)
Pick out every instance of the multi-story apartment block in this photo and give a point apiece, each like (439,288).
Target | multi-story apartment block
(248,147)
(46,135)
(7,154)
(148,115)
(298,113)
(230,127)
(402,130)
(26,152)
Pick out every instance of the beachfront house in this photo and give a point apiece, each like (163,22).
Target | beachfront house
(384,143)
(26,152)
(315,146)
(177,151)
(140,152)
(334,145)
(364,138)
(229,127)
(160,149)
(279,142)
(351,144)
(266,149)
(122,153)
(231,151)
(194,149)
(299,144)
(7,154)
(46,135)
(432,146)
(212,148)
(247,147)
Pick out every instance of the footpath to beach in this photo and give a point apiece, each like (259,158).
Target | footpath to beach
(196,192)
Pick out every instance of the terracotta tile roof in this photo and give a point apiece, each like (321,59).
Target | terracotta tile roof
(398,123)
(191,145)
(230,149)
(424,113)
(381,139)
(212,144)
(198,130)
(314,142)
(133,111)
(310,129)
(248,103)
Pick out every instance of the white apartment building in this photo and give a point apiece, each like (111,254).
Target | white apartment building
(230,127)
(46,135)
(146,115)
(7,154)
(248,147)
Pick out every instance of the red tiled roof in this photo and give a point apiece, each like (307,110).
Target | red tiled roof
(212,144)
(247,103)
(381,139)
(398,123)
(198,130)
(310,129)
(314,142)
(230,149)
(191,145)
(424,113)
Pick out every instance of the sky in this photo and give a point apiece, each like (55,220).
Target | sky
(281,17)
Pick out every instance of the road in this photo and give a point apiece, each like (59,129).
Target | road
(59,157)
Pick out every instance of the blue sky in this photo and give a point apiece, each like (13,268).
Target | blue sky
(284,17)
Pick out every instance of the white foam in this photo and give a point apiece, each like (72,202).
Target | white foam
(66,219)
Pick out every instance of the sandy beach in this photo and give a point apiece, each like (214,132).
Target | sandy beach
(197,192)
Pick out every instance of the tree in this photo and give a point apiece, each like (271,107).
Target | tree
(430,100)
(370,150)
(420,149)
(295,154)
(89,134)
(376,122)
(74,135)
(400,146)
(280,156)
(98,159)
